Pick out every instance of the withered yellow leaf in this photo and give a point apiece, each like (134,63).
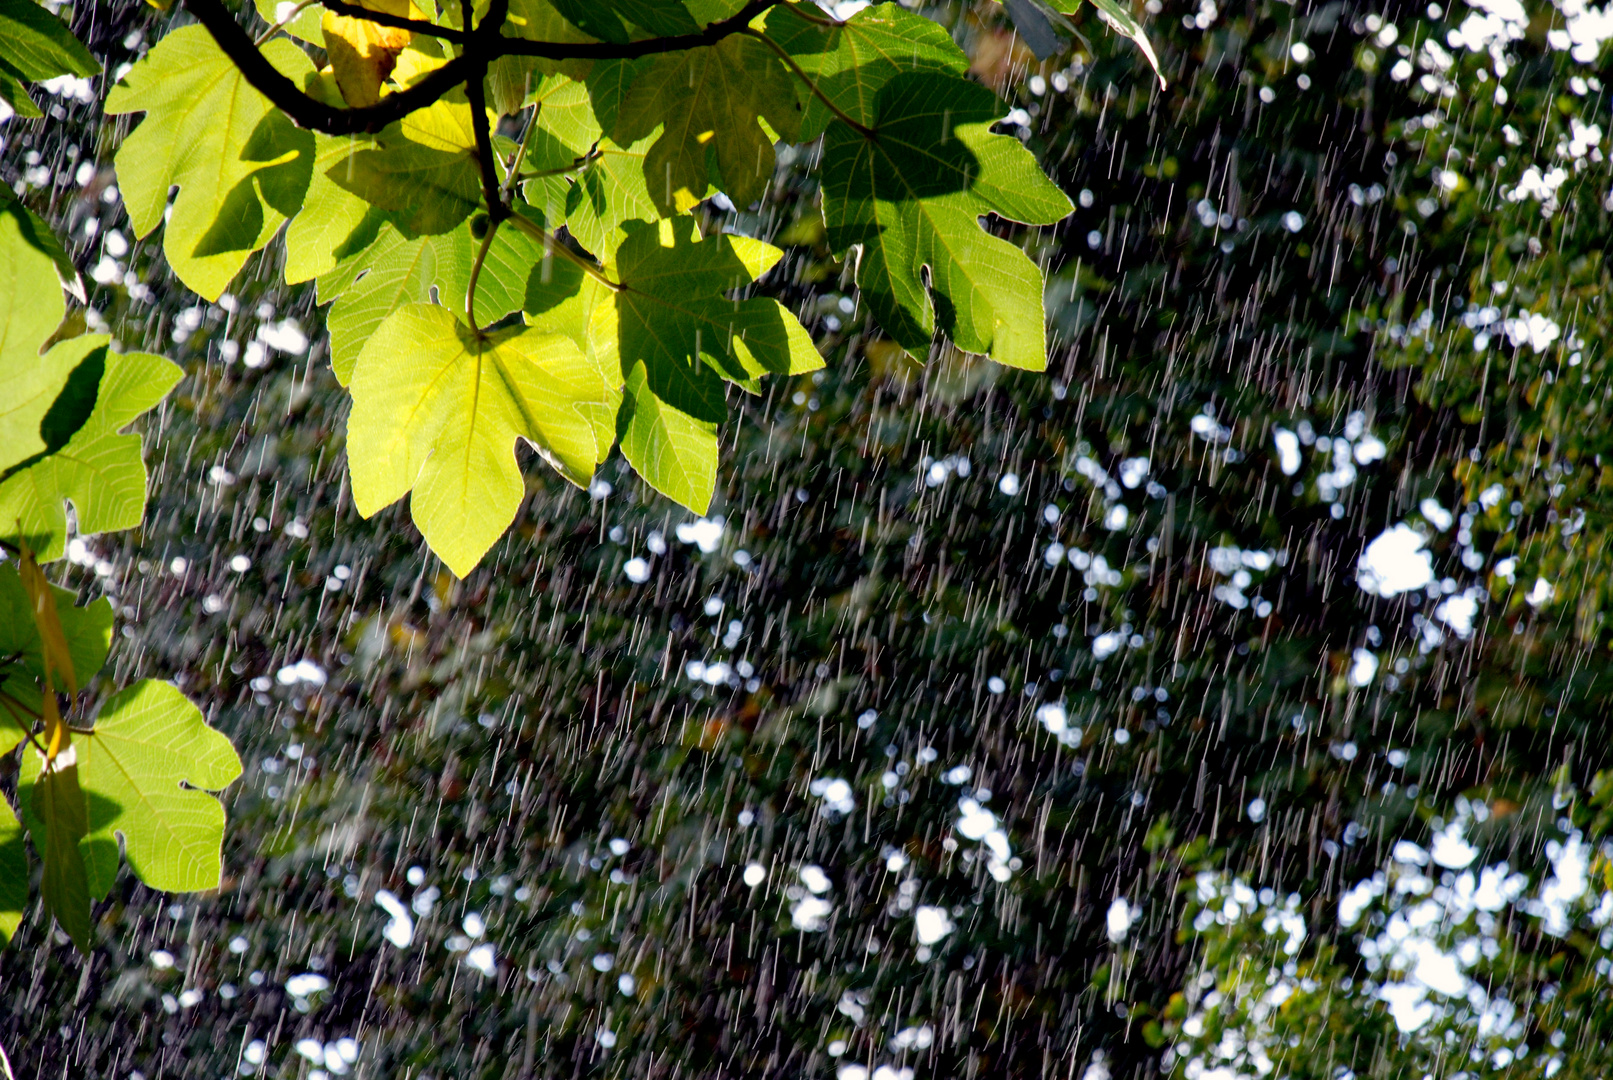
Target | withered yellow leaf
(363,53)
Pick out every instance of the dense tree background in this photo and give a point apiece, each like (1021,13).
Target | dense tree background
(1291,236)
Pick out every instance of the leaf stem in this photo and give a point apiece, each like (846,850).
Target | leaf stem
(553,245)
(789,61)
(475,273)
(12,705)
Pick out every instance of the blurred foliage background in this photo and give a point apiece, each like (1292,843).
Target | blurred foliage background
(994,724)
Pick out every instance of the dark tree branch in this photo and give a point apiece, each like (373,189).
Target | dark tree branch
(397,22)
(482,46)
(476,93)
(307,112)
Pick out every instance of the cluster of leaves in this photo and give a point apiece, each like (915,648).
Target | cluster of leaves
(67,397)
(555,287)
(858,578)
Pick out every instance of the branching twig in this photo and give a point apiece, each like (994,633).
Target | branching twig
(482,46)
(553,245)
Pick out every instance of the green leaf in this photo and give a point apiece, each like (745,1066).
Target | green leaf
(31,306)
(677,335)
(37,45)
(14,94)
(609,192)
(422,169)
(390,273)
(851,61)
(535,20)
(912,196)
(333,222)
(88,630)
(304,27)
(395,271)
(710,100)
(1120,19)
(32,231)
(241,166)
(13,861)
(608,82)
(512,262)
(58,806)
(99,470)
(674,452)
(147,768)
(674,316)
(610,20)
(437,410)
(72,370)
(566,130)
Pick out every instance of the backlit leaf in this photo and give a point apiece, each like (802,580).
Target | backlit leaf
(240,165)
(13,857)
(391,272)
(58,806)
(674,452)
(851,61)
(147,769)
(422,169)
(679,335)
(16,96)
(395,271)
(87,630)
(303,25)
(608,193)
(612,20)
(333,222)
(912,196)
(709,100)
(99,470)
(31,305)
(437,410)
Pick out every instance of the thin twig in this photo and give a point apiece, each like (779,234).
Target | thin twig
(789,61)
(553,244)
(512,172)
(283,23)
(482,46)
(12,705)
(587,159)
